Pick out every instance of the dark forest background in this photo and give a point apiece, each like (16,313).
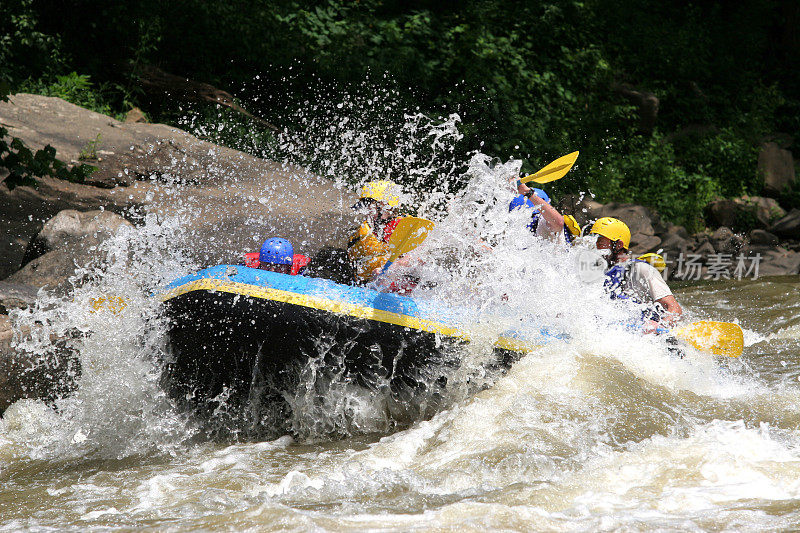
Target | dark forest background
(668,101)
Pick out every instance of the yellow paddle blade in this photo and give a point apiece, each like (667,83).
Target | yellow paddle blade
(554,171)
(719,338)
(409,233)
(115,304)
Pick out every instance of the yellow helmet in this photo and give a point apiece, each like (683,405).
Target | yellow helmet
(382,190)
(655,260)
(614,229)
(572,225)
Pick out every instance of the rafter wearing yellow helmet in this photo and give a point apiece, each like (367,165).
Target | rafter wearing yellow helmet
(367,248)
(384,191)
(634,280)
(614,230)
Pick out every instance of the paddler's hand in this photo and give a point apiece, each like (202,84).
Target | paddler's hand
(517,184)
(650,327)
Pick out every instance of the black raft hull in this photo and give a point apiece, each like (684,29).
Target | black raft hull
(241,340)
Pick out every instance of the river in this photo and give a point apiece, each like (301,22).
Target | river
(605,431)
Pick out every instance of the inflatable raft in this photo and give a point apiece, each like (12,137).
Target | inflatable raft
(239,333)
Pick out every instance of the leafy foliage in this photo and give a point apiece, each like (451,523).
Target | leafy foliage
(651,175)
(531,80)
(25,166)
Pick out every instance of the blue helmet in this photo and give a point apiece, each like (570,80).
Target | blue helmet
(522,201)
(276,251)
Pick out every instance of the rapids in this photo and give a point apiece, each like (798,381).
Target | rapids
(606,431)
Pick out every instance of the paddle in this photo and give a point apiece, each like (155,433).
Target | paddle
(115,304)
(719,338)
(409,233)
(554,171)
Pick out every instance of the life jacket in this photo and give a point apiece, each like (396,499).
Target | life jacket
(251,260)
(299,262)
(617,278)
(367,252)
(616,281)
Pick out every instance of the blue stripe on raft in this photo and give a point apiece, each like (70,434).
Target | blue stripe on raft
(323,288)
(434,311)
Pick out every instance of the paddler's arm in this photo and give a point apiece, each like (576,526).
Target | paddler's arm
(554,220)
(673,309)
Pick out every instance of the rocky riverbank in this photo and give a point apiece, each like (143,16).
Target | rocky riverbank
(45,233)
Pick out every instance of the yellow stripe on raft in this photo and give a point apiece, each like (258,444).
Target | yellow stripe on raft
(338,307)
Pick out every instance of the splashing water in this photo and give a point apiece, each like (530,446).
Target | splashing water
(604,431)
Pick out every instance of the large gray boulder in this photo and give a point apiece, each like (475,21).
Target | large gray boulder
(45,376)
(53,270)
(760,236)
(641,243)
(679,231)
(67,241)
(765,210)
(71,228)
(16,295)
(674,247)
(746,211)
(638,218)
(779,262)
(776,165)
(788,226)
(229,201)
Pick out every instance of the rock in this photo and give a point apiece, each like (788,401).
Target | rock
(760,236)
(52,270)
(135,115)
(744,212)
(674,247)
(777,167)
(229,203)
(24,210)
(779,262)
(16,295)
(67,241)
(641,243)
(752,249)
(705,249)
(722,234)
(723,212)
(70,228)
(47,376)
(765,210)
(788,226)
(732,245)
(660,227)
(680,231)
(637,217)
(771,260)
(725,241)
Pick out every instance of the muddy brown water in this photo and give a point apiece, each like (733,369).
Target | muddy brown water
(578,436)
